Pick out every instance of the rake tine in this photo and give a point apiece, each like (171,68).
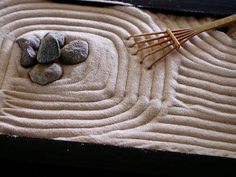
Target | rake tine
(161,57)
(145,34)
(160,37)
(175,38)
(157,50)
(155,33)
(149,40)
(159,43)
(171,43)
(187,37)
(184,38)
(155,44)
(182,34)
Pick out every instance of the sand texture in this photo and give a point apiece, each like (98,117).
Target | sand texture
(186,103)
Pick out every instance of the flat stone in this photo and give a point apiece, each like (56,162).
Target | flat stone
(29,46)
(75,52)
(45,74)
(49,49)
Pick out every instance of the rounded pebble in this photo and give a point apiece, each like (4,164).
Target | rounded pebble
(45,74)
(29,46)
(49,49)
(28,57)
(75,52)
(59,36)
(29,41)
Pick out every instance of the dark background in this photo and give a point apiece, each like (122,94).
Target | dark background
(41,157)
(178,7)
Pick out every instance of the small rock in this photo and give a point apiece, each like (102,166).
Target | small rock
(29,46)
(28,57)
(45,74)
(75,52)
(29,41)
(49,49)
(59,36)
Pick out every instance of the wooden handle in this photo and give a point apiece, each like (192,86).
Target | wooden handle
(216,24)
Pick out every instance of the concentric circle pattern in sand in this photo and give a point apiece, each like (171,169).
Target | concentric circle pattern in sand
(186,103)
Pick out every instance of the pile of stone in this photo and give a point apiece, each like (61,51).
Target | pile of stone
(47,55)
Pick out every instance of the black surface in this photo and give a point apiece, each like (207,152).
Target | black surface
(63,157)
(183,7)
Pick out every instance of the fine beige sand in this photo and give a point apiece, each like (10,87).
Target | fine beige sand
(186,103)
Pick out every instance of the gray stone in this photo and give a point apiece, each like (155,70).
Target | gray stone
(75,52)
(28,57)
(49,49)
(29,46)
(29,41)
(59,36)
(45,74)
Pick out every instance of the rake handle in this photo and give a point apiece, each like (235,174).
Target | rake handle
(216,24)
